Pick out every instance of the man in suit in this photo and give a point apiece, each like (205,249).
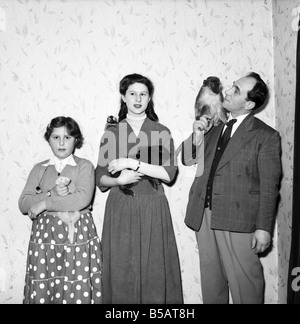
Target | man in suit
(232,205)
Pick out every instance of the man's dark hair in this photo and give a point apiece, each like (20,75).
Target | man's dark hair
(260,91)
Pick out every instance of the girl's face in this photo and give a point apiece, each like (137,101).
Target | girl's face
(62,144)
(137,99)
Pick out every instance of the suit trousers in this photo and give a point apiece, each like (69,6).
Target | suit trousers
(228,263)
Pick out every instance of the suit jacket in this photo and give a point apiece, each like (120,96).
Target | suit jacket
(246,182)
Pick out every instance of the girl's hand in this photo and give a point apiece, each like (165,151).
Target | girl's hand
(129,176)
(122,164)
(36,209)
(61,190)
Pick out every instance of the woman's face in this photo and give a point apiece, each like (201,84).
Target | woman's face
(136,98)
(62,144)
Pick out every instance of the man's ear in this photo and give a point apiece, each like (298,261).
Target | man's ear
(250,105)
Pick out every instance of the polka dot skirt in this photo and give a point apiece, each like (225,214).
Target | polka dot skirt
(59,272)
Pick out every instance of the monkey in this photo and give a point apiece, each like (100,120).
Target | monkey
(209,101)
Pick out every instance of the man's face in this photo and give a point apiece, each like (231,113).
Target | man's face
(236,98)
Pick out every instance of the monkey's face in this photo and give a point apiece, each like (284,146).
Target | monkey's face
(209,101)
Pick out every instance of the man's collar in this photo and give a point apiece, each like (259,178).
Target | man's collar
(239,118)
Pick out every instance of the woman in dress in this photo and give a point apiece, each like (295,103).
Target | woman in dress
(140,257)
(64,264)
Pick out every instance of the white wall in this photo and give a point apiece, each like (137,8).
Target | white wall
(66,58)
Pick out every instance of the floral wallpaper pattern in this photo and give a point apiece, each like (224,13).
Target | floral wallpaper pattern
(285,42)
(66,57)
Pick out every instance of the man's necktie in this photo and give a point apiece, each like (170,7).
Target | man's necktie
(226,135)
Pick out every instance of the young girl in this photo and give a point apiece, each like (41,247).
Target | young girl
(140,257)
(64,257)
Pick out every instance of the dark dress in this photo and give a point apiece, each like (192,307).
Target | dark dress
(140,257)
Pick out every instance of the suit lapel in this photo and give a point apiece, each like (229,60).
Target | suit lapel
(243,134)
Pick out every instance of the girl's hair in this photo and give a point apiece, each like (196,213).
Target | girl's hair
(71,126)
(125,83)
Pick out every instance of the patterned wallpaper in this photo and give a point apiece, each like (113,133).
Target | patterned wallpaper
(66,57)
(285,42)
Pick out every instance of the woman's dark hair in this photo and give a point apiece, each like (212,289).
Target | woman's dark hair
(260,91)
(71,126)
(125,83)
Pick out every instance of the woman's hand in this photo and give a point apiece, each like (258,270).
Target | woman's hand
(129,176)
(122,164)
(36,209)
